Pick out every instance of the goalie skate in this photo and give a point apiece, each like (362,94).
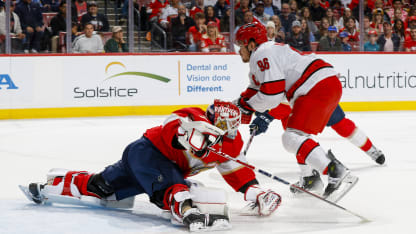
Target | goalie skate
(198,222)
(32,192)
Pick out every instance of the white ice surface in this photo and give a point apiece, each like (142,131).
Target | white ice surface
(385,195)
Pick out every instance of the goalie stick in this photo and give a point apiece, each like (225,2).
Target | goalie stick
(265,173)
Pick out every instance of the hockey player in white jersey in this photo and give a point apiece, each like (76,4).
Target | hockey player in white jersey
(313,90)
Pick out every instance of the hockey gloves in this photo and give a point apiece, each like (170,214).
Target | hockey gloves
(262,202)
(197,136)
(260,123)
(245,109)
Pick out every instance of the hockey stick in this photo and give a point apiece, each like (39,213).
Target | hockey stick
(253,133)
(265,173)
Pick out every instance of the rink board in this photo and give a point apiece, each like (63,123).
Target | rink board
(156,84)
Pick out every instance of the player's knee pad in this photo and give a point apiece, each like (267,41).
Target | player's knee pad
(292,139)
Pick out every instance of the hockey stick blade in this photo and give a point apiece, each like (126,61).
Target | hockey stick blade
(265,173)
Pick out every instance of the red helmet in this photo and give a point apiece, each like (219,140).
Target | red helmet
(254,30)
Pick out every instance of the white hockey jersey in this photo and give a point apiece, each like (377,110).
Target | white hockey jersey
(277,70)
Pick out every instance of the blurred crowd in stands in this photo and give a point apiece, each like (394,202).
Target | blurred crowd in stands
(204,25)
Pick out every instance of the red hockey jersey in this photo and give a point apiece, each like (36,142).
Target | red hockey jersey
(234,174)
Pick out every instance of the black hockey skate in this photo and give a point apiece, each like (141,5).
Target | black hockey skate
(310,183)
(336,174)
(33,193)
(340,181)
(376,155)
(197,222)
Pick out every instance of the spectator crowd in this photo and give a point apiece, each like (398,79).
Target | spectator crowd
(204,25)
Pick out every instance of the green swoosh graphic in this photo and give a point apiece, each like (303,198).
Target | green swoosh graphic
(148,75)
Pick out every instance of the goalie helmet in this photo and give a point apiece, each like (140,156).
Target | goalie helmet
(224,115)
(254,30)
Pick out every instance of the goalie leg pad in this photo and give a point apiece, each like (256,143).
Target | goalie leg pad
(210,200)
(198,207)
(64,185)
(76,183)
(75,188)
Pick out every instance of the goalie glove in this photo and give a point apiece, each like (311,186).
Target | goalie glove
(261,202)
(196,136)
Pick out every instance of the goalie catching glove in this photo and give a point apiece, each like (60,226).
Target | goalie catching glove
(196,136)
(261,202)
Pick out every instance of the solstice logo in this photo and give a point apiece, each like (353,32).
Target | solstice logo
(115,91)
(134,73)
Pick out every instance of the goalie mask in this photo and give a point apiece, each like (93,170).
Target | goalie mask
(225,116)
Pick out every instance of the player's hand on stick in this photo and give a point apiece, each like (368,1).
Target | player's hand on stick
(260,123)
(262,202)
(245,109)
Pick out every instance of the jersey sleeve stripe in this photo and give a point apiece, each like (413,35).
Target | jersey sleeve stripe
(273,87)
(313,67)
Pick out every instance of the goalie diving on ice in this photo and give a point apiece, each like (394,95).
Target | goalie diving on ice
(159,163)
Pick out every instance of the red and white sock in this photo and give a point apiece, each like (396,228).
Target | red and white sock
(346,128)
(311,153)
